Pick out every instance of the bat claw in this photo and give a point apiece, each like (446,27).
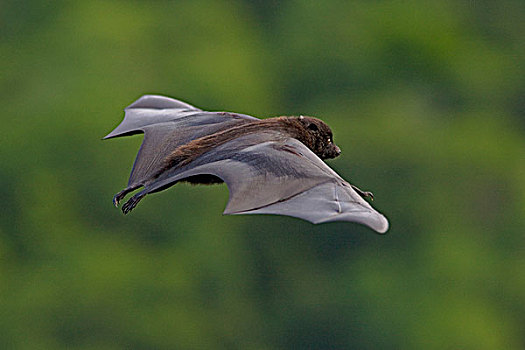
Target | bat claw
(128,206)
(364,194)
(132,203)
(119,196)
(116,200)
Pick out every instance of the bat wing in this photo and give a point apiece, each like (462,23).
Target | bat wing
(167,123)
(268,174)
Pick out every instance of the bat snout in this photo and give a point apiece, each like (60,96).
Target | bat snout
(335,151)
(332,152)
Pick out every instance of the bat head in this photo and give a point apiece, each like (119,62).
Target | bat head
(318,137)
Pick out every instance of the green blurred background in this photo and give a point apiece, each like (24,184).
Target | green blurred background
(426,100)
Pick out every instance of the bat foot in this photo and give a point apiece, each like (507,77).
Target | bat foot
(119,196)
(132,202)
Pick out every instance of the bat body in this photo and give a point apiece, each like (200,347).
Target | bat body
(271,166)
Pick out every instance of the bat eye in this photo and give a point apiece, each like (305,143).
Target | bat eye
(329,140)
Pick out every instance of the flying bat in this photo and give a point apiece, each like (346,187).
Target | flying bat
(271,166)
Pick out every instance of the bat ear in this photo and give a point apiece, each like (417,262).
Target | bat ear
(313,127)
(308,124)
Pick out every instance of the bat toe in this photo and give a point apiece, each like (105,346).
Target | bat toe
(119,196)
(132,202)
(116,201)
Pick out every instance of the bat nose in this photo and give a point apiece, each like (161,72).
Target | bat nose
(337,150)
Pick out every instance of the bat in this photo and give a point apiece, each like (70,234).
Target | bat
(271,166)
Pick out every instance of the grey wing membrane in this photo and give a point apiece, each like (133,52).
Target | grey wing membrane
(167,123)
(268,175)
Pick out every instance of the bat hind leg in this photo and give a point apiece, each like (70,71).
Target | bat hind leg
(133,201)
(364,194)
(119,196)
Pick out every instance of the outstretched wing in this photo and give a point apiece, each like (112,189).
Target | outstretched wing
(269,174)
(167,123)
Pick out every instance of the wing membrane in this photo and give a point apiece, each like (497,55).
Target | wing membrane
(167,123)
(266,174)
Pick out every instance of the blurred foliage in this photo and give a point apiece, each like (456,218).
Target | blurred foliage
(426,99)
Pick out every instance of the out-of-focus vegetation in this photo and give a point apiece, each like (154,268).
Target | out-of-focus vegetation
(427,102)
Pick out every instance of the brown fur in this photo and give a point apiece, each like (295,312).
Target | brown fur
(312,132)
